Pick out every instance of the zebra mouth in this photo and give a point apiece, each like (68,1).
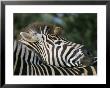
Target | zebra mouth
(86,63)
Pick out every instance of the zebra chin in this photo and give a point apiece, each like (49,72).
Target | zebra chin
(81,62)
(88,62)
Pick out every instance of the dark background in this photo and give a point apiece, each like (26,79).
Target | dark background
(79,28)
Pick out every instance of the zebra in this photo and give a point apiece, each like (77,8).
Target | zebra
(27,62)
(54,49)
(19,55)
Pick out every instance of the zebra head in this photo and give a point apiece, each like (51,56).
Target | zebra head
(53,49)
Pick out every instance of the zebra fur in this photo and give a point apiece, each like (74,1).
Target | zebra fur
(27,62)
(55,50)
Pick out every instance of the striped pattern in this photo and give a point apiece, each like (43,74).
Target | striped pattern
(23,56)
(55,50)
(27,62)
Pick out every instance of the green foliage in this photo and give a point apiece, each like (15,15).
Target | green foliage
(80,28)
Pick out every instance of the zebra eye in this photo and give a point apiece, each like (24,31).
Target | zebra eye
(58,42)
(42,37)
(34,33)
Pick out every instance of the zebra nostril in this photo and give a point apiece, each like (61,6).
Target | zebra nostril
(95,58)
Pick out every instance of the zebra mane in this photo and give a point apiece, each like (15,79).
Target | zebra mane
(44,28)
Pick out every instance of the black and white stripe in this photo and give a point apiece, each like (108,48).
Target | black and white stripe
(23,56)
(55,50)
(27,62)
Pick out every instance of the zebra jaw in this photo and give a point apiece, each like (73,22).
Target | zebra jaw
(28,37)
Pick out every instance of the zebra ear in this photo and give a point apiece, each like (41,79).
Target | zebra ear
(27,37)
(58,31)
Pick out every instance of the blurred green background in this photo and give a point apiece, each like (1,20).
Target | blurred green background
(78,27)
